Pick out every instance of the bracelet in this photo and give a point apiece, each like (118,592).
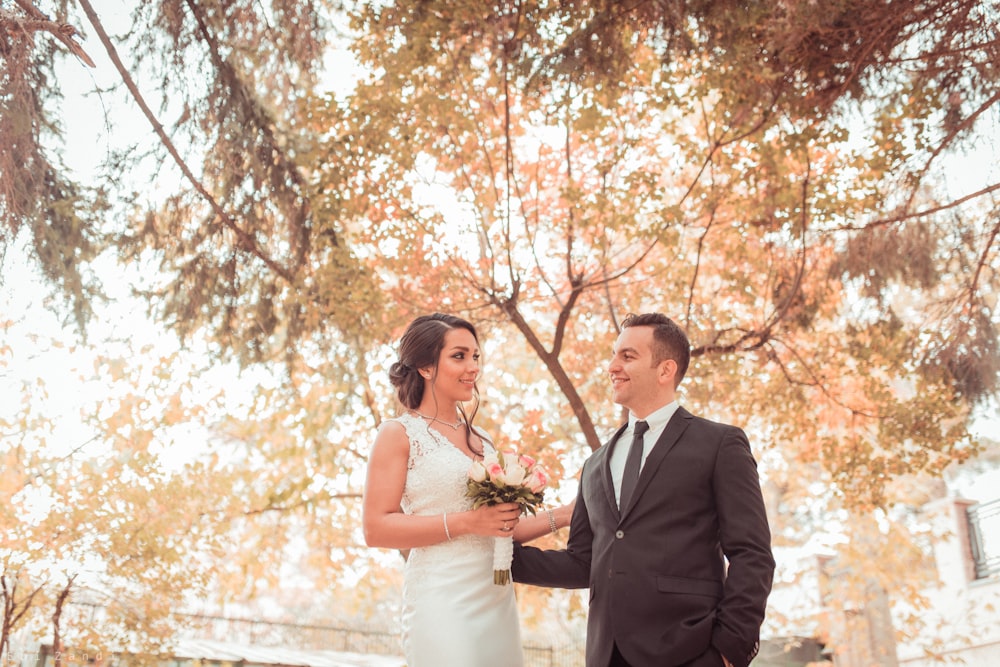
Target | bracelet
(444,517)
(552,521)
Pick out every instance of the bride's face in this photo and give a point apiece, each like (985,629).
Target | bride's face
(458,367)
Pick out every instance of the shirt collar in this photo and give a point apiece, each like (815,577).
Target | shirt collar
(657,419)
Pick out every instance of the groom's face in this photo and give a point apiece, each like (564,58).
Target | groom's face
(637,382)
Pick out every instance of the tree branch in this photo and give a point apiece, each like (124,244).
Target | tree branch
(509,307)
(983,261)
(965,124)
(814,380)
(904,216)
(246,241)
(305,502)
(39,22)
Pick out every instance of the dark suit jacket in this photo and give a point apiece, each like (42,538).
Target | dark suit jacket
(659,585)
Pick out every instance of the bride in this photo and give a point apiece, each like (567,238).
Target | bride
(414,501)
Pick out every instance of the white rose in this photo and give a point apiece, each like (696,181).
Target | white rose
(477,472)
(510,459)
(514,474)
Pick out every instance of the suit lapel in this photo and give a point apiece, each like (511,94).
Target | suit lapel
(605,468)
(671,434)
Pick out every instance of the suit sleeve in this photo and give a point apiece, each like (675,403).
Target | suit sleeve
(746,542)
(559,568)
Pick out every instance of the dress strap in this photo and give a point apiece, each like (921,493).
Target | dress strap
(422,440)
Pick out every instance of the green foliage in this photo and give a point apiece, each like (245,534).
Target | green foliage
(769,174)
(489,493)
(40,205)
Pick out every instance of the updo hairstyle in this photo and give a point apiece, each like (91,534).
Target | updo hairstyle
(420,347)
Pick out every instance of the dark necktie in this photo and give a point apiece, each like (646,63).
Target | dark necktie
(631,475)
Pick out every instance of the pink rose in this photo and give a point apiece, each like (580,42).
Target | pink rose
(537,480)
(526,461)
(495,471)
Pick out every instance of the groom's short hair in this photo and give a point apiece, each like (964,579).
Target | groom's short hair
(669,340)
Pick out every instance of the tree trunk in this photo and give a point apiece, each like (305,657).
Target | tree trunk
(57,647)
(13,611)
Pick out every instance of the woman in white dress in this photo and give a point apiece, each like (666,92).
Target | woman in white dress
(453,613)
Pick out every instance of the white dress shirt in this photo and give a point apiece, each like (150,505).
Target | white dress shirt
(657,421)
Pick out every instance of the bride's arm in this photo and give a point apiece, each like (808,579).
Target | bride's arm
(385,525)
(547,521)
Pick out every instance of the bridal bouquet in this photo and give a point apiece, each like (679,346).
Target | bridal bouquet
(506,477)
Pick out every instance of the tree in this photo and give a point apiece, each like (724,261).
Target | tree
(107,536)
(510,173)
(241,223)
(769,174)
(545,169)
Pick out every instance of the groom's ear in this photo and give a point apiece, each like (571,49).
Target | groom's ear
(668,372)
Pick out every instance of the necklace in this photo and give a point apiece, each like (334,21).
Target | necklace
(457,425)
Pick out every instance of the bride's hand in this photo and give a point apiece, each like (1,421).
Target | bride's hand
(494,520)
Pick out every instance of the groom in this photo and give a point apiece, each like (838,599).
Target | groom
(655,552)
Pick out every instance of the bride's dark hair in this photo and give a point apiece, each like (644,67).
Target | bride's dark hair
(419,347)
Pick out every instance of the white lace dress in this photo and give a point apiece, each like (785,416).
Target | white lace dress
(453,613)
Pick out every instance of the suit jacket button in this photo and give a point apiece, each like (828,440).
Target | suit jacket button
(620,534)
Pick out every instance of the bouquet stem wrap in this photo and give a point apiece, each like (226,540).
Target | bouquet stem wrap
(506,477)
(503,556)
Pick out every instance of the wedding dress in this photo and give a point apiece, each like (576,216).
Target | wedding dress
(453,613)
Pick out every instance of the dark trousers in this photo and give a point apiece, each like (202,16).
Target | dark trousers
(616,658)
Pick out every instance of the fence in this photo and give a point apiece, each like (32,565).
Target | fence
(348,639)
(271,633)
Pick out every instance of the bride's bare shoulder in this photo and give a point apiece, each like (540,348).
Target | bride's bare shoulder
(391,437)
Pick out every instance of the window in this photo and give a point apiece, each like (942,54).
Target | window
(984,538)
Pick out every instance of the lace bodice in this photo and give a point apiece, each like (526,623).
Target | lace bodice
(435,483)
(437,471)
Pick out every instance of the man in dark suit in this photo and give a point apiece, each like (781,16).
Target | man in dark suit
(661,594)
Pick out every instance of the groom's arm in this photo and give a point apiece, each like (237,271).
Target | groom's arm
(746,541)
(559,568)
